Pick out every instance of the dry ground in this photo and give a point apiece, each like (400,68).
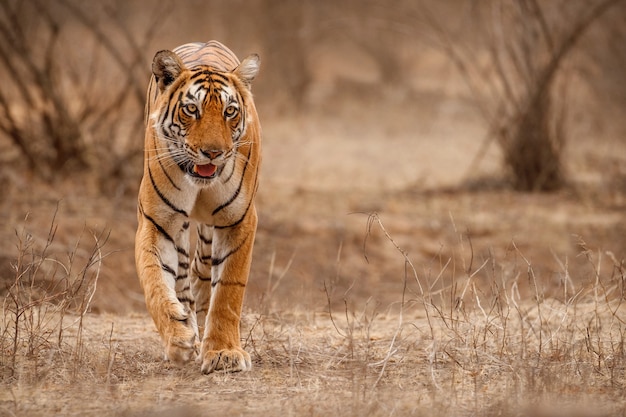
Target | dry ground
(458,297)
(548,358)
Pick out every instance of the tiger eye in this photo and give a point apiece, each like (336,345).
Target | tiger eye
(230,111)
(190,109)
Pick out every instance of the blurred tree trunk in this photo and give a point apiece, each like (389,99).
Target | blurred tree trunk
(526,43)
(534,140)
(532,151)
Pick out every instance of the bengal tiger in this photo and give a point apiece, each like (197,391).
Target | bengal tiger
(202,157)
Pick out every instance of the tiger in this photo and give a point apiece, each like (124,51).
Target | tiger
(201,166)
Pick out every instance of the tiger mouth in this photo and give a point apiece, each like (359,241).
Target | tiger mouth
(200,172)
(205,171)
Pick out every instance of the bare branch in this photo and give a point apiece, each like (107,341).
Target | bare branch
(525,52)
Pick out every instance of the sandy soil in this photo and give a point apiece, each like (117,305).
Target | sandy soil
(367,362)
(437,211)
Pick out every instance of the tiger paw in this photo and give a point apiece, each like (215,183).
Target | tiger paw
(182,346)
(228,360)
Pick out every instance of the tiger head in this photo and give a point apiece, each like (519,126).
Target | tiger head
(200,113)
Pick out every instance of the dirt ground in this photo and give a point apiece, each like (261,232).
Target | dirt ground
(437,190)
(359,218)
(395,272)
(399,361)
(398,219)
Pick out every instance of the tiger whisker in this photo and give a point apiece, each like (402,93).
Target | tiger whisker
(242,157)
(178,155)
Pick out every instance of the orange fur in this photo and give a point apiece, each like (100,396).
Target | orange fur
(202,156)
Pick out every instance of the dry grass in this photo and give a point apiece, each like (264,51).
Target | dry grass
(48,299)
(460,341)
(459,298)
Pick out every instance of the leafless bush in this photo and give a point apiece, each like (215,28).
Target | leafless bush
(48,298)
(512,64)
(74,85)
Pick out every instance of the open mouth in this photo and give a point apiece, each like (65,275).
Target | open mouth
(205,171)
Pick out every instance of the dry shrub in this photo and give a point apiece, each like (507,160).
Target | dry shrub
(47,300)
(512,61)
(73,108)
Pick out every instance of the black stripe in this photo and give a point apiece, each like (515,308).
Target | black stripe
(217,83)
(156,225)
(245,213)
(183,276)
(199,74)
(228,284)
(236,194)
(218,76)
(166,112)
(242,124)
(200,276)
(182,251)
(183,165)
(168,269)
(238,221)
(186,300)
(232,171)
(163,197)
(167,175)
(204,240)
(183,265)
(205,260)
(218,261)
(211,77)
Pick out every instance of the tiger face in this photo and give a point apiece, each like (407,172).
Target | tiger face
(202,114)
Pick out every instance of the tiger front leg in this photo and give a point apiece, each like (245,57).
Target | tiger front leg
(168,298)
(232,256)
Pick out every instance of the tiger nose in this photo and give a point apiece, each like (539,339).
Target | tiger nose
(212,154)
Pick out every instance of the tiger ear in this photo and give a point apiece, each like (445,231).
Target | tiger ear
(166,67)
(248,69)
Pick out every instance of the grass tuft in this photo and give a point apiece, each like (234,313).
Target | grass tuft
(472,336)
(45,304)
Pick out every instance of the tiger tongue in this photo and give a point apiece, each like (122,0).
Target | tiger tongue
(205,170)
